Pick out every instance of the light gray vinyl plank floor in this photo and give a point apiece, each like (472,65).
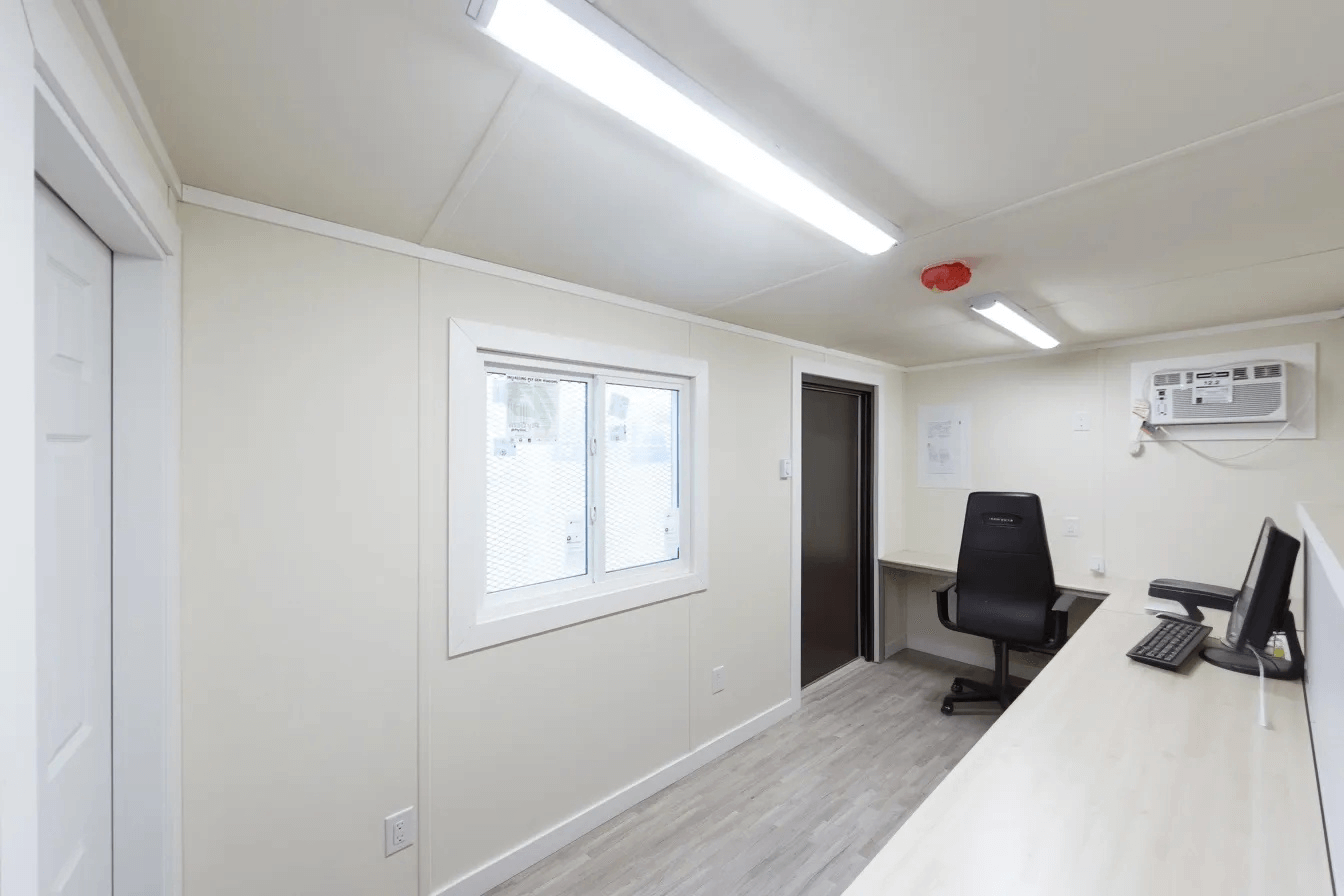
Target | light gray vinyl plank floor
(798,810)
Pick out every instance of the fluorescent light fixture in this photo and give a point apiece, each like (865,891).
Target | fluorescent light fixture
(576,43)
(1013,319)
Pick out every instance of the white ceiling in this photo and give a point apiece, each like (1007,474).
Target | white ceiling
(1121,169)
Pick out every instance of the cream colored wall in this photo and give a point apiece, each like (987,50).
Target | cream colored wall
(1166,513)
(742,621)
(315,670)
(299,602)
(1208,514)
(520,737)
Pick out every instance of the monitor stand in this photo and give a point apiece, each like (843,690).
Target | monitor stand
(1244,661)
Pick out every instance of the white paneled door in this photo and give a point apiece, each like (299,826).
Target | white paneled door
(74,552)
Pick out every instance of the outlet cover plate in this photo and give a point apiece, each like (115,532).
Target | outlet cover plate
(716,680)
(1073,526)
(399,830)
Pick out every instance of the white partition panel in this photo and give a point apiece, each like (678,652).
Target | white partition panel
(1324,650)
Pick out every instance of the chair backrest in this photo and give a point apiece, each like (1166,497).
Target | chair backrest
(1005,581)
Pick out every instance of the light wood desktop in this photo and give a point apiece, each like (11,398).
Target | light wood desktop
(1109,776)
(946,564)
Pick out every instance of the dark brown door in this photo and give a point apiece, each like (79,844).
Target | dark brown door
(836,526)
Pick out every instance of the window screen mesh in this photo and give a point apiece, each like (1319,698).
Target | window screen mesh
(536,480)
(642,513)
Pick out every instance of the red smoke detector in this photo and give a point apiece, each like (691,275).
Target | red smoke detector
(946,277)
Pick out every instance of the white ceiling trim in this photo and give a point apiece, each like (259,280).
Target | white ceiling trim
(91,12)
(245,208)
(1317,317)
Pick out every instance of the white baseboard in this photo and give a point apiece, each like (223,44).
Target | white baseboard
(496,871)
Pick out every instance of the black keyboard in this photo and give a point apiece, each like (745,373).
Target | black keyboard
(1168,645)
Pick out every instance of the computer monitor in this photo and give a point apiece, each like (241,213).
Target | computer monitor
(1258,611)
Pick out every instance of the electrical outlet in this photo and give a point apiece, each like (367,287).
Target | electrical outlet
(1097,564)
(716,680)
(399,830)
(1073,526)
(1081,422)
(786,469)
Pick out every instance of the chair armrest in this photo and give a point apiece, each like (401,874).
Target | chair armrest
(1064,601)
(1058,622)
(941,592)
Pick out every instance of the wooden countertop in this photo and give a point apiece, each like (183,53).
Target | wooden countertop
(946,564)
(1110,777)
(1114,593)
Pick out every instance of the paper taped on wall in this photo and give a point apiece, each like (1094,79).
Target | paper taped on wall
(938,440)
(943,452)
(534,405)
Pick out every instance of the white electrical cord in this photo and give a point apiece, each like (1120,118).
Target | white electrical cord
(1264,719)
(1141,408)
(1220,460)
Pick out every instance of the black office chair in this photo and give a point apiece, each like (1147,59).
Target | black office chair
(1005,589)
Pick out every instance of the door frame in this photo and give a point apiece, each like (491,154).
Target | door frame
(878,382)
(84,151)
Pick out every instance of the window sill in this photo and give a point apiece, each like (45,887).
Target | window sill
(499,625)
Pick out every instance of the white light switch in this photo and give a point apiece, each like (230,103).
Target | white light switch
(786,469)
(716,680)
(1073,526)
(1081,421)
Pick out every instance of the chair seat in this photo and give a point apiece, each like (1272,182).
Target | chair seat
(1003,617)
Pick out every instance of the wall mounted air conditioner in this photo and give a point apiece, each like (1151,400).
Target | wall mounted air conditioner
(1239,392)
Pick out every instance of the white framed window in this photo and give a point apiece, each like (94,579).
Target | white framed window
(576,481)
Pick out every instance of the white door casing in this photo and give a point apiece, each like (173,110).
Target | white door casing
(74,552)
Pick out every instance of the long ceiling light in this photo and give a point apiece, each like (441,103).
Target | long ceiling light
(1013,319)
(576,43)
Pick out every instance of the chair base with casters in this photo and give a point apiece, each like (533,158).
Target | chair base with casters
(1001,690)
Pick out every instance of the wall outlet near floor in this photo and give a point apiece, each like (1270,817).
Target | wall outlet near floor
(1073,526)
(399,830)
(716,680)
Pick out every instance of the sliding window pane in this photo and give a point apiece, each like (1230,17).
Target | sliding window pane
(642,513)
(536,480)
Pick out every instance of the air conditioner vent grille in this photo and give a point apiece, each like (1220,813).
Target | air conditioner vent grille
(1239,373)
(1265,371)
(1249,400)
(1167,379)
